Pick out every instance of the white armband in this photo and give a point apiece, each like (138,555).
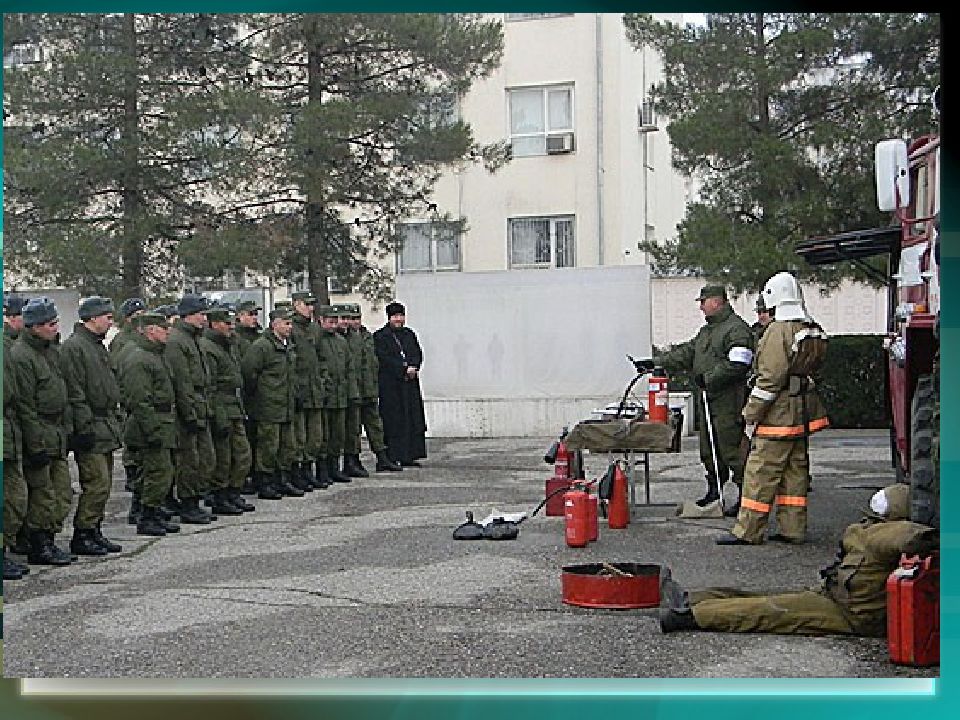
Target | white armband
(740,355)
(763,395)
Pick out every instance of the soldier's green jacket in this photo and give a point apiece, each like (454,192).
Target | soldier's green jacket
(189,373)
(223,362)
(121,340)
(717,353)
(365,358)
(95,393)
(11,418)
(43,402)
(268,368)
(246,336)
(150,396)
(342,388)
(311,380)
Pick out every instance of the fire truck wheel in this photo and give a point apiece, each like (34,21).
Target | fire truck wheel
(924,478)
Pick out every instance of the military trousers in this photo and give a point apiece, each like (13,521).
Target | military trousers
(334,431)
(308,433)
(156,475)
(96,480)
(195,460)
(275,447)
(14,501)
(233,455)
(776,477)
(366,415)
(727,434)
(49,495)
(807,612)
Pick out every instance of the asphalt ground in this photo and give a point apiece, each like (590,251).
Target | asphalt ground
(365,581)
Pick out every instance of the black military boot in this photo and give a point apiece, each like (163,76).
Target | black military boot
(249,488)
(322,475)
(11,570)
(222,505)
(191,513)
(135,508)
(22,544)
(353,467)
(238,500)
(43,551)
(151,523)
(298,478)
(171,504)
(132,472)
(677,620)
(712,493)
(266,489)
(281,479)
(306,471)
(84,542)
(333,470)
(106,544)
(385,464)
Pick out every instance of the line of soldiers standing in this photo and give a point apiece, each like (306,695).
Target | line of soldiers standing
(206,405)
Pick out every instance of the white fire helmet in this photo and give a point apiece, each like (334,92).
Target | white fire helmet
(783,293)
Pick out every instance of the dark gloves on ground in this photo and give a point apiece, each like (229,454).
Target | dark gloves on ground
(35,462)
(700,381)
(83,441)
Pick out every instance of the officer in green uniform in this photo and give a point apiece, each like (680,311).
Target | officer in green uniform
(719,357)
(195,457)
(247,329)
(365,412)
(335,354)
(14,486)
(310,383)
(219,345)
(97,423)
(268,368)
(851,600)
(44,418)
(151,426)
(128,314)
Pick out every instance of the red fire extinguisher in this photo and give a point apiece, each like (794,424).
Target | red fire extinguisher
(561,466)
(618,508)
(576,506)
(658,396)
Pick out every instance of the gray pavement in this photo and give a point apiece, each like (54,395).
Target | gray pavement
(364,580)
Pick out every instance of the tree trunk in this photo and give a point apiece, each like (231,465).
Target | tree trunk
(317,251)
(132,243)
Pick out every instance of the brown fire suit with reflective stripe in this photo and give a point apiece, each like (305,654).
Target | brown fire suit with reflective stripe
(785,408)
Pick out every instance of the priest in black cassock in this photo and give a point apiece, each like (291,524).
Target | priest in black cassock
(401,404)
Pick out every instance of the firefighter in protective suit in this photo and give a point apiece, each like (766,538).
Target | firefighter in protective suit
(782,410)
(851,599)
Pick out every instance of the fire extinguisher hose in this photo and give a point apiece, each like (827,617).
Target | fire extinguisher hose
(585,484)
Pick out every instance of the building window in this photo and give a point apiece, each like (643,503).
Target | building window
(515,17)
(542,242)
(429,246)
(539,112)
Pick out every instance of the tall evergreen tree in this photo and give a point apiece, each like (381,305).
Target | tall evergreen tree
(776,114)
(117,143)
(364,111)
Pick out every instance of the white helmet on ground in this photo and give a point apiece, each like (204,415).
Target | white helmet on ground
(782,292)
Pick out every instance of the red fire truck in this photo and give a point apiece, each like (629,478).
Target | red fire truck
(908,184)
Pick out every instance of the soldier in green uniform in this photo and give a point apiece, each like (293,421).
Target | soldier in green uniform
(97,423)
(127,329)
(151,426)
(365,413)
(268,368)
(230,442)
(719,357)
(335,354)
(195,458)
(43,408)
(851,600)
(247,329)
(310,384)
(14,486)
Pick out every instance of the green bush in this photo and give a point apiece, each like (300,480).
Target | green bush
(850,383)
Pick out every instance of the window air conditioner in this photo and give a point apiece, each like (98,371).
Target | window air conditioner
(560,143)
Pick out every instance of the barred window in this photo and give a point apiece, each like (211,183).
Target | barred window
(429,246)
(542,241)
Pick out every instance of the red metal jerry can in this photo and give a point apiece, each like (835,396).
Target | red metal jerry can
(913,611)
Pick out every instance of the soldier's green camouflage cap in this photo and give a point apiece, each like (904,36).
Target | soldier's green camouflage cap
(305,295)
(248,306)
(327,311)
(152,318)
(711,291)
(219,315)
